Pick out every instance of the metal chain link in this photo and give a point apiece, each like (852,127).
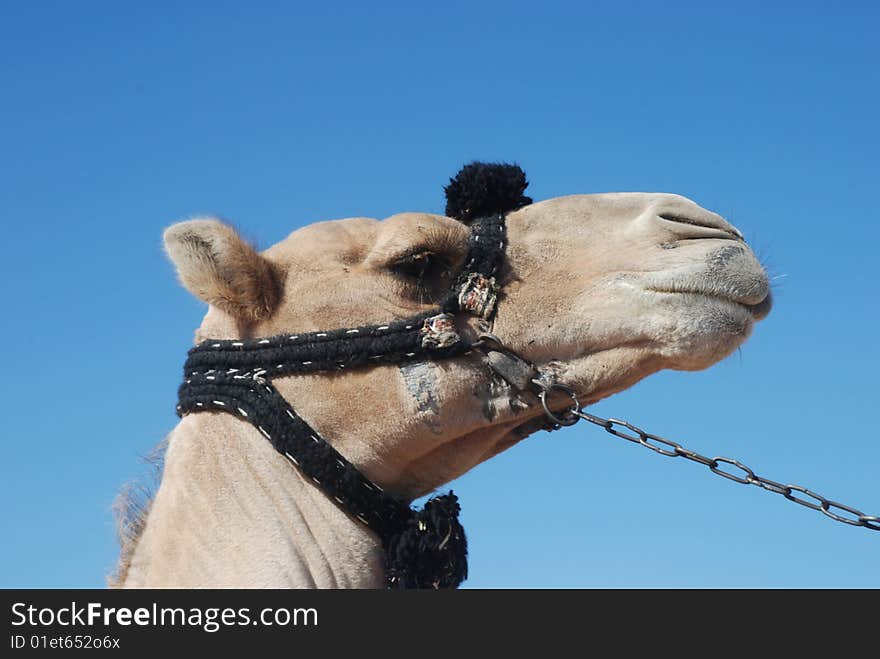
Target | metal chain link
(736,471)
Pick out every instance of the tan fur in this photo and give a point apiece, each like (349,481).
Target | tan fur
(130,510)
(217,266)
(598,289)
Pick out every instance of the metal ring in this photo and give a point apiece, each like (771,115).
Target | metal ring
(804,502)
(870,522)
(568,418)
(749,474)
(826,507)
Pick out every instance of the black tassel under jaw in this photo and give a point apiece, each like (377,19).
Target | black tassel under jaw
(430,550)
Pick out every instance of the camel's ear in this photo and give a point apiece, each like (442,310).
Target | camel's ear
(217,266)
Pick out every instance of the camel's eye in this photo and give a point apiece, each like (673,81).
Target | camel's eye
(420,266)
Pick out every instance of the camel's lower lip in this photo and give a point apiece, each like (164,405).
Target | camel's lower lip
(758,311)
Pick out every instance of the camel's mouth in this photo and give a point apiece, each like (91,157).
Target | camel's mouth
(758,310)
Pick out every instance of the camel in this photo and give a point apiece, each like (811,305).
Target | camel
(597,291)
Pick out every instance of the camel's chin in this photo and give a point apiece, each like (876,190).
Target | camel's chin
(709,329)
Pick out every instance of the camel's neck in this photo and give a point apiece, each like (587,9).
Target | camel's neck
(231,512)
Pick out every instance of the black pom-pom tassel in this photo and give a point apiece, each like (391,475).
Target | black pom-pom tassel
(481,189)
(430,551)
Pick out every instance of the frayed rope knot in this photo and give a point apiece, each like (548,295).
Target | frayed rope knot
(430,551)
(439,331)
(478,295)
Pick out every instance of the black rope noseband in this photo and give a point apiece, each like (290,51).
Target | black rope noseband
(423,549)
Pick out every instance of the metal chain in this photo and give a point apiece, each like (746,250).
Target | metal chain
(672,449)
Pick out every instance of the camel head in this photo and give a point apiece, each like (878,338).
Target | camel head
(598,290)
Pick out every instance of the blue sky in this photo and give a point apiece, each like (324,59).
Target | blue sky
(119,118)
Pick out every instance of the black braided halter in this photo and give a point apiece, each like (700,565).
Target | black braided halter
(423,549)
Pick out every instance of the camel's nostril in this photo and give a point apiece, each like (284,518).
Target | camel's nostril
(713,225)
(681,219)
